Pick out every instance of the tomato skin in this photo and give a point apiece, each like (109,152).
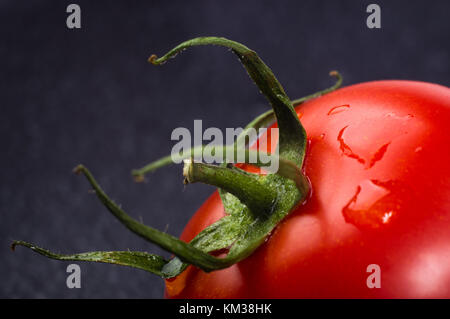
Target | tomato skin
(378,161)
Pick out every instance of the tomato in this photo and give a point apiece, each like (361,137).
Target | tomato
(378,161)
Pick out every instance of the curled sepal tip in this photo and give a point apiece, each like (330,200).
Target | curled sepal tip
(332,88)
(152,59)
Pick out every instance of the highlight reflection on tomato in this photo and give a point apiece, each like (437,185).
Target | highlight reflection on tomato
(378,161)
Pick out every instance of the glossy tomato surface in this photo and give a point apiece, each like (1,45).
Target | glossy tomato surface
(379,163)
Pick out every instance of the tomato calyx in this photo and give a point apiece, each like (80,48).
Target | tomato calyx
(254,203)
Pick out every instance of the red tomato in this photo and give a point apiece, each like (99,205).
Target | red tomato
(378,160)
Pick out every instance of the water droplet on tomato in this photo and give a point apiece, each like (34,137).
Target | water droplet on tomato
(372,206)
(338,109)
(322,136)
(367,162)
(418,149)
(346,150)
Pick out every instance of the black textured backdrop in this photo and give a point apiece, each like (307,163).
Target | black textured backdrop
(89,96)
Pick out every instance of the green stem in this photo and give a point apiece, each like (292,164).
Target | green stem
(258,197)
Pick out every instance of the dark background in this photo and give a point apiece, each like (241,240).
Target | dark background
(89,96)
